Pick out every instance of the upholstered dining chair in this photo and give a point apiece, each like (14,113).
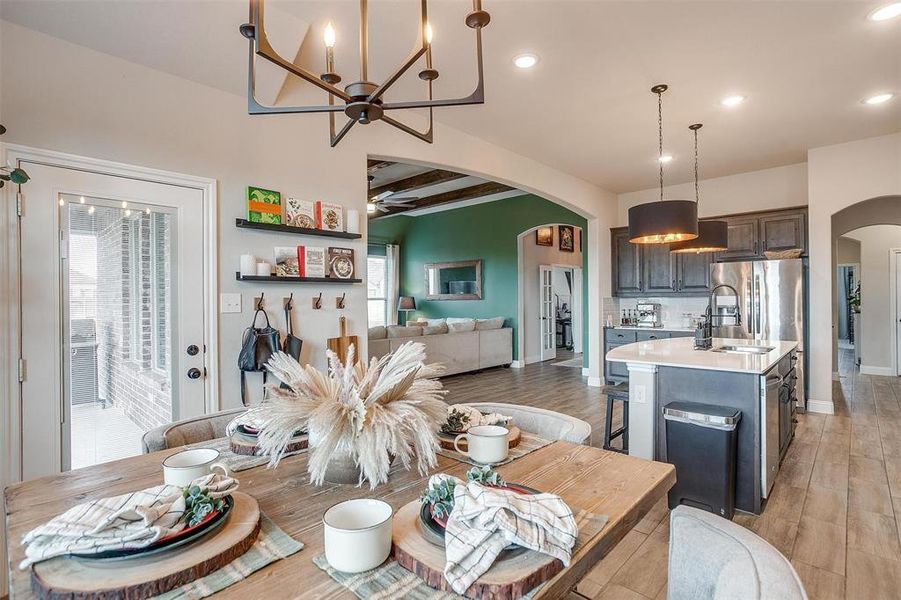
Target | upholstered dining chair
(710,557)
(189,431)
(544,423)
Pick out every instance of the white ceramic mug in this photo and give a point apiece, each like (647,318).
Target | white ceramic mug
(184,467)
(357,534)
(488,444)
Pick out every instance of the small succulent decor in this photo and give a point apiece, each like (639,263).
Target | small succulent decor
(199,504)
(456,421)
(441,496)
(7,173)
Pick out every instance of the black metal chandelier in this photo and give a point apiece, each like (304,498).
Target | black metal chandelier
(665,221)
(713,236)
(361,101)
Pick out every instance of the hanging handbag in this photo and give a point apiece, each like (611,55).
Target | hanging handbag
(293,344)
(257,346)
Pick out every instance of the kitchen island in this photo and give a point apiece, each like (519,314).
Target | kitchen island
(754,376)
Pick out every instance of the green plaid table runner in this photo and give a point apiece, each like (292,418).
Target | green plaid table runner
(272,544)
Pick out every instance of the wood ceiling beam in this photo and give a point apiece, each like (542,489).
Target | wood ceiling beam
(468,193)
(416,182)
(374,165)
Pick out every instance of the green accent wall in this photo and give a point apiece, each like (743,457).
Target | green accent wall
(484,231)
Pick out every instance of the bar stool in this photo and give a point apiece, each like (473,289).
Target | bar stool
(618,392)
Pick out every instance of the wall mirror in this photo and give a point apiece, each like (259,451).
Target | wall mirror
(461,280)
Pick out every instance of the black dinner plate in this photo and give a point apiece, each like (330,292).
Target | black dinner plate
(176,541)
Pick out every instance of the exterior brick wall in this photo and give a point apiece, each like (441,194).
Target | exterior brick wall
(128,309)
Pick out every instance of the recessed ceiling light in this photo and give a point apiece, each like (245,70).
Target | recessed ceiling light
(665,158)
(525,61)
(732,100)
(890,11)
(878,99)
(370,208)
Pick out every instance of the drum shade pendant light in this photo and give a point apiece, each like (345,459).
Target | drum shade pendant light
(713,236)
(666,221)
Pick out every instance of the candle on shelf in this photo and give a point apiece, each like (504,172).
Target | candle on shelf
(264,269)
(353,221)
(248,265)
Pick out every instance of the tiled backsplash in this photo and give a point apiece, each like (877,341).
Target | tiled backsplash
(672,309)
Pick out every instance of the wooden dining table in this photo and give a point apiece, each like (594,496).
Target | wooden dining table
(622,487)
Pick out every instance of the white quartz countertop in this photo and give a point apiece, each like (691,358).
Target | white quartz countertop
(680,352)
(664,328)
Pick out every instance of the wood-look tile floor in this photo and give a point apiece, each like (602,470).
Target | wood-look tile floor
(835,509)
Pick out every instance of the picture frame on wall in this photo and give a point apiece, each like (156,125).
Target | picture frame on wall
(544,236)
(567,238)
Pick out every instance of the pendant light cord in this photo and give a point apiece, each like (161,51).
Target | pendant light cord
(697,189)
(660,139)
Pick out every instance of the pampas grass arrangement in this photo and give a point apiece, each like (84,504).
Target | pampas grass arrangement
(389,409)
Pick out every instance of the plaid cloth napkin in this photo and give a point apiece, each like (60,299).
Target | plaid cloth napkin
(486,520)
(133,520)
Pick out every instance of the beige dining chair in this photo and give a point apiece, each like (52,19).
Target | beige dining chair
(710,557)
(189,431)
(544,423)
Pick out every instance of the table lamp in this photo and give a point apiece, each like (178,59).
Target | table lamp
(405,304)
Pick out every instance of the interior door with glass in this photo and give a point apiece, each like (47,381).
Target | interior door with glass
(548,312)
(112,315)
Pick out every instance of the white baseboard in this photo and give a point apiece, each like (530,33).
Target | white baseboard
(585,371)
(517,364)
(886,371)
(532,359)
(595,382)
(820,406)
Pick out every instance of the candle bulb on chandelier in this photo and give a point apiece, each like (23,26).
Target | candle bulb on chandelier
(328,37)
(428,41)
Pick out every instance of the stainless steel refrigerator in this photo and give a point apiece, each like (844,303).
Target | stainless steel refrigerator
(771,299)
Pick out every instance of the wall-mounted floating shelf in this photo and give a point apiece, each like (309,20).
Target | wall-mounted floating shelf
(245,224)
(273,278)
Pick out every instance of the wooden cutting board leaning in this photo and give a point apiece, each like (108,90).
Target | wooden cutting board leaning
(341,344)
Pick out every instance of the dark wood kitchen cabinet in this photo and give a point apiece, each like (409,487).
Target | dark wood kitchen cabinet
(783,231)
(659,269)
(693,273)
(744,240)
(626,262)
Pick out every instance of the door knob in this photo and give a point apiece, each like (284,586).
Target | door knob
(194,373)
(192,350)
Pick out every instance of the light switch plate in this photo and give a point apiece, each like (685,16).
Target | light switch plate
(638,394)
(229,303)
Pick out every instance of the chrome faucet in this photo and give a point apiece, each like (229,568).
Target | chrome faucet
(709,315)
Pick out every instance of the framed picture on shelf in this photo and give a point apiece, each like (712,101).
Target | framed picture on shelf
(341,263)
(264,206)
(300,213)
(567,238)
(314,262)
(544,236)
(329,217)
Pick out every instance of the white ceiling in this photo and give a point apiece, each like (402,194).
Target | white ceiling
(586,109)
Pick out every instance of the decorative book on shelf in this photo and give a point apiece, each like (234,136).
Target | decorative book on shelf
(264,206)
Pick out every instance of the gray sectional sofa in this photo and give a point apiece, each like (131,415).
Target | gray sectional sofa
(461,345)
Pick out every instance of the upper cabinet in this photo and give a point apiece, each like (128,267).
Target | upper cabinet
(651,270)
(626,261)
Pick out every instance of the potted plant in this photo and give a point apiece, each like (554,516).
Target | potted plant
(359,418)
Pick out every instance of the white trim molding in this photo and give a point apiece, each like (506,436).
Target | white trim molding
(870,370)
(9,291)
(517,364)
(596,382)
(820,406)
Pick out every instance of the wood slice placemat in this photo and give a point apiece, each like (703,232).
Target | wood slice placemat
(447,439)
(84,579)
(247,446)
(512,575)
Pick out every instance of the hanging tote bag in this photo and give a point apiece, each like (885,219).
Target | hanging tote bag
(293,344)
(257,346)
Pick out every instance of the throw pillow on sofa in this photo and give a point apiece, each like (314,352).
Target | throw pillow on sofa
(493,323)
(400,331)
(434,322)
(461,326)
(379,332)
(435,329)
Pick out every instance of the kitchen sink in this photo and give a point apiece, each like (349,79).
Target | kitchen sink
(743,349)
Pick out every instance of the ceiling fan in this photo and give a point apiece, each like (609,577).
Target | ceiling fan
(382,201)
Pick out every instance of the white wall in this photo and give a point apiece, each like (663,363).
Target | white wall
(767,189)
(876,334)
(847,250)
(532,256)
(839,176)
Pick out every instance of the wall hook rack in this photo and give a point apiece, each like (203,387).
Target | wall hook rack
(339,302)
(317,301)
(288,302)
(259,301)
